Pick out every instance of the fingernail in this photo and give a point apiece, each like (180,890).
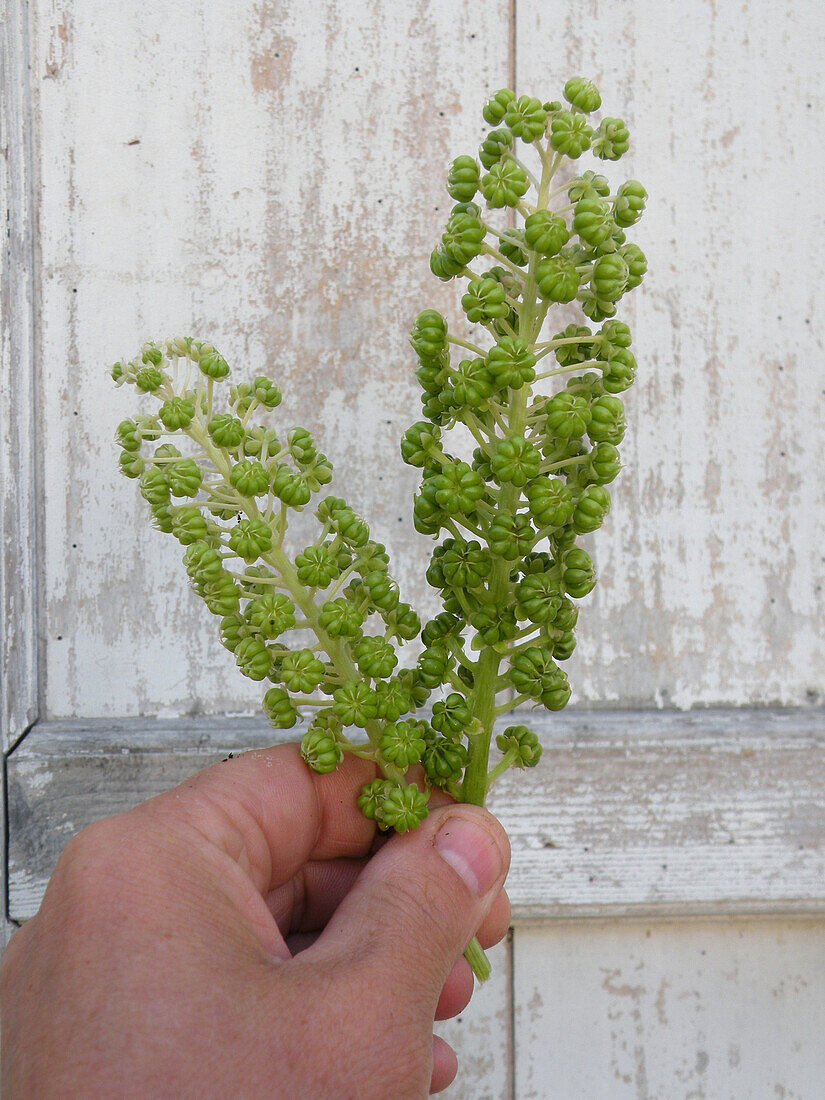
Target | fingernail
(471,852)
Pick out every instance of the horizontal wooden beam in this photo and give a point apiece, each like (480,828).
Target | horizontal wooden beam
(630,813)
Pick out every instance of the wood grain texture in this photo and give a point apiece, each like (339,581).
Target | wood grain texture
(269,175)
(627,813)
(721,1010)
(18,295)
(712,575)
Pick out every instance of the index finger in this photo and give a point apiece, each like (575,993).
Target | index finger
(270,813)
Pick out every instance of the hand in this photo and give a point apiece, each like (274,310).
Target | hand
(244,935)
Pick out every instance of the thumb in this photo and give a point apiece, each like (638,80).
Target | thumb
(420,899)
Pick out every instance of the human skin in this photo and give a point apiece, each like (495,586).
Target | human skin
(247,934)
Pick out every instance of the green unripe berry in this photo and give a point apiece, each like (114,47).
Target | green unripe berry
(278,706)
(515,461)
(537,598)
(270,614)
(443,266)
(288,486)
(253,658)
(249,477)
(511,363)
(452,715)
(609,277)
(340,618)
(401,744)
(567,354)
(429,334)
(630,203)
(604,463)
(607,421)
(250,538)
(504,184)
(496,107)
(203,564)
(512,246)
(570,134)
(619,371)
(472,384)
(484,300)
(176,413)
(557,278)
(578,574)
(355,703)
(551,502)
(611,139)
(583,94)
(402,809)
(443,761)
(302,671)
(226,430)
(564,646)
(232,629)
(466,564)
(494,624)
(526,118)
(458,488)
(131,464)
(523,742)
(188,525)
(568,415)
(593,506)
(494,147)
(212,363)
(510,537)
(462,180)
(153,486)
(545,232)
(221,596)
(433,664)
(593,221)
(321,751)
(589,185)
(148,379)
(372,797)
(393,699)
(375,657)
(636,264)
(316,566)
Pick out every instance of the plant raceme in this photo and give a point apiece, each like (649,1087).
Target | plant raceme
(508,567)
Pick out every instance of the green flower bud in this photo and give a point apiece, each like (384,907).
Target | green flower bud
(538,598)
(630,203)
(611,139)
(444,761)
(609,277)
(462,180)
(485,299)
(458,488)
(253,658)
(593,221)
(604,463)
(496,107)
(452,715)
(402,809)
(551,502)
(516,461)
(316,566)
(636,264)
(578,574)
(212,363)
(568,415)
(341,619)
(494,146)
(203,564)
(302,671)
(523,742)
(372,797)
(589,185)
(526,118)
(278,705)
(494,624)
(557,278)
(355,703)
(504,184)
(375,657)
(249,477)
(607,422)
(591,510)
(545,232)
(270,614)
(429,334)
(511,363)
(188,525)
(226,430)
(131,464)
(401,744)
(393,699)
(250,538)
(584,95)
(176,413)
(570,134)
(148,379)
(321,751)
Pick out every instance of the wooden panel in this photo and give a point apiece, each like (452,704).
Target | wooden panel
(18,612)
(482,1036)
(627,1011)
(627,813)
(269,175)
(712,576)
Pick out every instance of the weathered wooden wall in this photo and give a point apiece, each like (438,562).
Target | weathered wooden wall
(269,175)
